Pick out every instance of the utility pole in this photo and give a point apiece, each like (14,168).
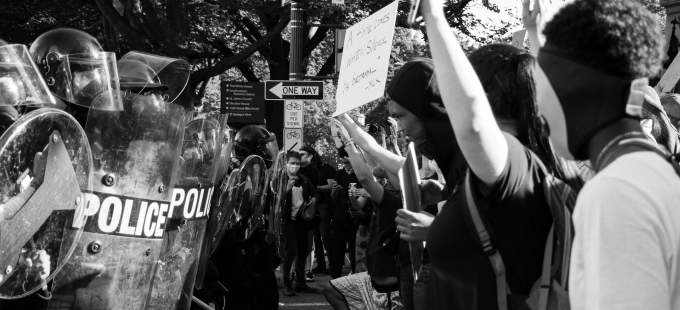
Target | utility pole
(293,136)
(295,64)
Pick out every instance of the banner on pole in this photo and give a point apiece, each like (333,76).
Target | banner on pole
(366,57)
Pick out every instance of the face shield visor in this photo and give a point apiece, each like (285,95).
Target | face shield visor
(20,81)
(81,78)
(148,74)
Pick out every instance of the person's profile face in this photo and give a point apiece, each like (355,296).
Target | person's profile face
(414,129)
(306,157)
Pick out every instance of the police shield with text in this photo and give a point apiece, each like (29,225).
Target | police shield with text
(183,239)
(136,139)
(47,168)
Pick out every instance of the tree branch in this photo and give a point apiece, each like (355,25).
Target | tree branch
(246,34)
(328,66)
(201,92)
(251,27)
(138,39)
(150,17)
(229,62)
(244,67)
(314,41)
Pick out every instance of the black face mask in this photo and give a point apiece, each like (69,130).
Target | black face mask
(578,101)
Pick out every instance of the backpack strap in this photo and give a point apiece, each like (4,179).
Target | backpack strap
(502,289)
(624,143)
(546,274)
(560,202)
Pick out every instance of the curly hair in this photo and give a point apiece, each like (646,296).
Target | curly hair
(619,37)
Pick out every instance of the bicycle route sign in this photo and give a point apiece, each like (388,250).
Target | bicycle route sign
(292,139)
(284,90)
(293,115)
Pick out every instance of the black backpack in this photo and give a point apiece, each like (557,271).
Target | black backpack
(549,291)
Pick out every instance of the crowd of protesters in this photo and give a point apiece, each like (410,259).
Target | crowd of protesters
(499,137)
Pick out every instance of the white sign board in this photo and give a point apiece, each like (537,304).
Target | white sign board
(366,57)
(292,139)
(518,38)
(293,115)
(670,77)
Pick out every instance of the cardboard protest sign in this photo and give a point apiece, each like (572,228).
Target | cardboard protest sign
(409,180)
(670,78)
(518,38)
(366,57)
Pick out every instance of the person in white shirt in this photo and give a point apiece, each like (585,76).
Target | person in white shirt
(590,81)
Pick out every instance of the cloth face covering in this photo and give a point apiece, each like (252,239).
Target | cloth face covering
(578,101)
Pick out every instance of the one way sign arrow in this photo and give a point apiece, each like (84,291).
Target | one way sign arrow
(281,90)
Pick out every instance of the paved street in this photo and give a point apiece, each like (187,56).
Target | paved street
(304,301)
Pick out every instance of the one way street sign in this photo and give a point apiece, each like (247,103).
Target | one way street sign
(280,90)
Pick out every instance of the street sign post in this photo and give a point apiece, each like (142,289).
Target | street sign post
(294,114)
(243,102)
(305,90)
(292,139)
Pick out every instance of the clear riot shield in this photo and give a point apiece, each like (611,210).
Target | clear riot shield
(279,179)
(136,144)
(217,211)
(173,283)
(47,166)
(20,82)
(240,199)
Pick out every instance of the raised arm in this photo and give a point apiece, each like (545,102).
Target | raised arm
(474,125)
(361,169)
(534,20)
(390,161)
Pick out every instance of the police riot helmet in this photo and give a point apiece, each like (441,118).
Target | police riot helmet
(21,85)
(255,140)
(75,67)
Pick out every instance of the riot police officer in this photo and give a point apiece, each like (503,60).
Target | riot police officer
(76,69)
(246,267)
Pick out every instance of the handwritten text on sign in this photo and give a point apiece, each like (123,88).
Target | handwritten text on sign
(366,56)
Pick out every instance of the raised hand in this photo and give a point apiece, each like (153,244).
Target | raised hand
(341,128)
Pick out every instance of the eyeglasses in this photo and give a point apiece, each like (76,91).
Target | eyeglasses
(294,164)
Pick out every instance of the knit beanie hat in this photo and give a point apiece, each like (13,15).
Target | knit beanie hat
(414,87)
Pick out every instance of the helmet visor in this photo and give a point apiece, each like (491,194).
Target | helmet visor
(144,73)
(20,82)
(80,78)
